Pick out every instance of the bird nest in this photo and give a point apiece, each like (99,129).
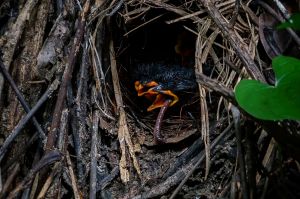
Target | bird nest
(101,65)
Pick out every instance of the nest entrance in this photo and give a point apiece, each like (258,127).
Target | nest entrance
(149,41)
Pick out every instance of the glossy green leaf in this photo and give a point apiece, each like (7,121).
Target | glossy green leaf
(292,22)
(278,102)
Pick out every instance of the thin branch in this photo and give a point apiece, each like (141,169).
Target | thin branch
(123,131)
(281,19)
(22,100)
(48,159)
(49,180)
(200,160)
(216,86)
(67,78)
(93,169)
(236,119)
(11,177)
(238,45)
(72,176)
(25,119)
(13,36)
(235,13)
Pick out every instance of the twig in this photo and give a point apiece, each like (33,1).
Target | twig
(235,13)
(278,132)
(49,180)
(21,99)
(215,86)
(94,91)
(25,119)
(9,180)
(26,194)
(234,40)
(174,9)
(97,63)
(123,131)
(156,132)
(251,14)
(13,36)
(223,192)
(115,9)
(84,66)
(63,131)
(105,181)
(66,78)
(190,153)
(80,109)
(72,176)
(147,22)
(250,158)
(236,120)
(281,19)
(268,159)
(265,188)
(195,166)
(282,9)
(185,17)
(202,49)
(47,159)
(233,186)
(94,143)
(231,65)
(30,192)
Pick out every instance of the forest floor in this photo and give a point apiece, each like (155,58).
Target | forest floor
(77,78)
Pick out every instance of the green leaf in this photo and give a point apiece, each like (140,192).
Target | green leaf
(278,102)
(292,22)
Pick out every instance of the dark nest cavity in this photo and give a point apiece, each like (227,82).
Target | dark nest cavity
(156,50)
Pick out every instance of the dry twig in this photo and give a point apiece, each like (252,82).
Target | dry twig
(200,56)
(66,78)
(21,99)
(123,132)
(238,45)
(94,153)
(12,38)
(25,119)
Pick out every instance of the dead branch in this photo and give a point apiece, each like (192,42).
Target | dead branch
(94,153)
(21,99)
(123,132)
(13,36)
(50,145)
(237,126)
(25,119)
(48,159)
(238,45)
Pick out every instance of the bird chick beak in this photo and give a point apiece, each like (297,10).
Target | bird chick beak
(144,89)
(150,91)
(161,98)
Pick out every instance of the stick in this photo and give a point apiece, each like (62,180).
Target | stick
(234,40)
(94,143)
(67,78)
(25,119)
(22,100)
